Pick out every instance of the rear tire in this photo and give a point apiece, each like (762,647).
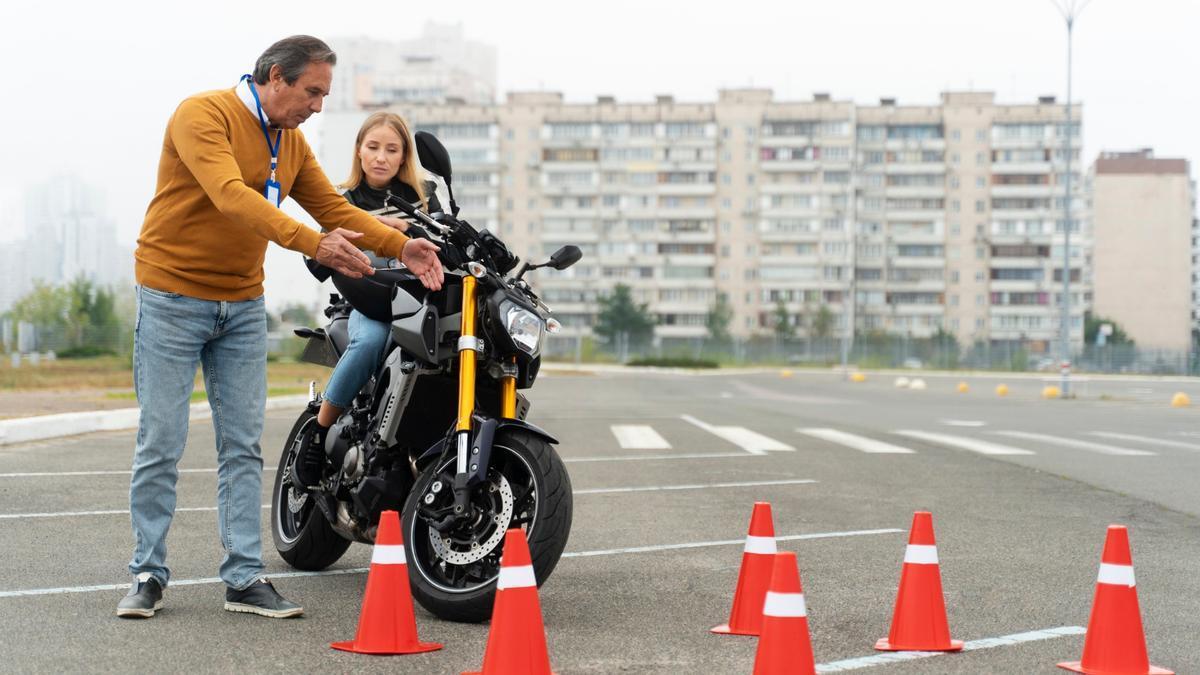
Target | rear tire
(302,537)
(547,531)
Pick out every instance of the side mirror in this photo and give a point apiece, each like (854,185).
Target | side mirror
(433,155)
(565,257)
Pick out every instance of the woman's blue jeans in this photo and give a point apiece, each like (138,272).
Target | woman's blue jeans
(368,338)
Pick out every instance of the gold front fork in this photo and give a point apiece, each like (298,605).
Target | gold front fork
(508,391)
(466,357)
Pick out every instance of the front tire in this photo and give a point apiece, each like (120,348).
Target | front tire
(523,466)
(303,537)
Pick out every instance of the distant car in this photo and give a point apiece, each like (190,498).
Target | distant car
(1045,365)
(912,362)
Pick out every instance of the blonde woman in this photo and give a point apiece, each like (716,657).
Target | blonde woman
(385,165)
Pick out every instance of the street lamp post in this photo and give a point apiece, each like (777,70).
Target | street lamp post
(1070,10)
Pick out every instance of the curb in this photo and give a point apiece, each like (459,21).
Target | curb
(42,427)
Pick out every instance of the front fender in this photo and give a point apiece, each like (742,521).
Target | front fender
(483,433)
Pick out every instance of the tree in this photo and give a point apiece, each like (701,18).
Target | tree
(621,320)
(296,314)
(718,320)
(784,330)
(1091,327)
(45,306)
(822,324)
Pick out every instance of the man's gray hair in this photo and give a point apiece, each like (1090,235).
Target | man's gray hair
(292,55)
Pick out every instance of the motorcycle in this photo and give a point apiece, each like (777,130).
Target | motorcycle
(439,432)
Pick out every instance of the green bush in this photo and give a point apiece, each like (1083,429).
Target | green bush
(85,352)
(673,362)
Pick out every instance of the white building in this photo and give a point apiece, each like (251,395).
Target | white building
(439,66)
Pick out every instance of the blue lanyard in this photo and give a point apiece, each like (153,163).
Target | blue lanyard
(273,148)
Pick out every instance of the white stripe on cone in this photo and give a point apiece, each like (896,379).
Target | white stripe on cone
(920,554)
(388,554)
(516,577)
(786,605)
(765,545)
(1117,575)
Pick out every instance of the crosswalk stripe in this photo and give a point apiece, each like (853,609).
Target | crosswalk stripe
(972,444)
(750,441)
(861,443)
(1166,443)
(639,437)
(1074,443)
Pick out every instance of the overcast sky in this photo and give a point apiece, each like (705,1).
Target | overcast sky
(89,85)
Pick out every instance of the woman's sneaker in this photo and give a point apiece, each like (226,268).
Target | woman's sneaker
(262,599)
(143,600)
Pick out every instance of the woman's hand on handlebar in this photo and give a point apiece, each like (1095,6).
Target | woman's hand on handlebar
(420,257)
(394,223)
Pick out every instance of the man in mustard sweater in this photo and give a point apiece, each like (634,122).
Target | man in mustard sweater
(228,158)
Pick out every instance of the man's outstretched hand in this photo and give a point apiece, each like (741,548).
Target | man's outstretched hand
(336,251)
(420,257)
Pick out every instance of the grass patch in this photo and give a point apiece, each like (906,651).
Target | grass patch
(116,373)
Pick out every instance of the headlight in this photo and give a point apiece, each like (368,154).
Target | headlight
(523,326)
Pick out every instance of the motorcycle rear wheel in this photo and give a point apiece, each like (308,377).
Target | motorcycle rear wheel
(302,535)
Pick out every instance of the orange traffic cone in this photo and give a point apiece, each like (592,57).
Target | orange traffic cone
(517,640)
(1115,643)
(758,556)
(919,622)
(386,624)
(784,647)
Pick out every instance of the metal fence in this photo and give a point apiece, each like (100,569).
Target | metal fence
(881,351)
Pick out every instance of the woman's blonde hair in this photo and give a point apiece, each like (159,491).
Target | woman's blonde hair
(410,172)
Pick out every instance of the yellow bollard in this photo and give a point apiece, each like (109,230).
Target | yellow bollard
(1180,400)
(785,373)
(1002,390)
(963,387)
(1051,391)
(858,377)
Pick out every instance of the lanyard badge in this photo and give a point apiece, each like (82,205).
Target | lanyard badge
(271,190)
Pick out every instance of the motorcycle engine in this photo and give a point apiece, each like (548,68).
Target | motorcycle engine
(344,449)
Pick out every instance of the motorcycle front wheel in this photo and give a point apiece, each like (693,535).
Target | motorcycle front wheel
(453,574)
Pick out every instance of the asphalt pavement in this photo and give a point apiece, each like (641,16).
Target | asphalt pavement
(666,468)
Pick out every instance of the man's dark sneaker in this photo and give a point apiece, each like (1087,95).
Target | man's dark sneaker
(261,598)
(143,600)
(306,470)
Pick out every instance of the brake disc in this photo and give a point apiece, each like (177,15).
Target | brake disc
(444,546)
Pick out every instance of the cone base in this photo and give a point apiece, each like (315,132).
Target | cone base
(1077,667)
(415,648)
(884,646)
(725,629)
(481,673)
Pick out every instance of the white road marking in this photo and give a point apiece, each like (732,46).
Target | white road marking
(639,437)
(650,458)
(54,474)
(964,423)
(750,441)
(1073,443)
(656,488)
(1147,440)
(973,645)
(965,443)
(363,570)
(861,443)
(589,491)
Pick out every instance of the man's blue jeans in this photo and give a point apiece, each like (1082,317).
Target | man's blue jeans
(368,337)
(172,336)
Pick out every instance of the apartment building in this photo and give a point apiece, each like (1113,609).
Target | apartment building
(905,219)
(440,65)
(1143,211)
